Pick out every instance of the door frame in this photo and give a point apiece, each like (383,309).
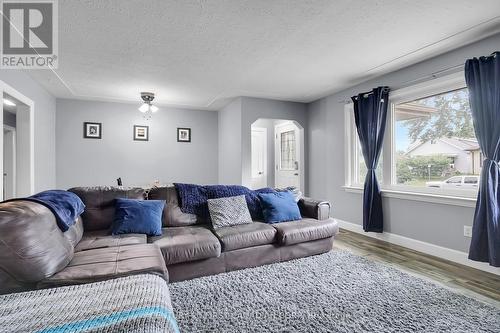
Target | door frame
(300,151)
(12,130)
(26,114)
(266,173)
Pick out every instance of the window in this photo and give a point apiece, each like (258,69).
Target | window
(471,180)
(434,139)
(430,145)
(288,153)
(454,180)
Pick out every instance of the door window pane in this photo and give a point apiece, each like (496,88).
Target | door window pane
(454,180)
(471,180)
(288,151)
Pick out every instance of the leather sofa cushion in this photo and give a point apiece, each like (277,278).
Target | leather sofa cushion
(245,235)
(305,230)
(100,204)
(109,263)
(32,247)
(102,239)
(172,214)
(182,244)
(75,232)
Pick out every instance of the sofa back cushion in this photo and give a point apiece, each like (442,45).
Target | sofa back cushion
(32,247)
(172,214)
(100,204)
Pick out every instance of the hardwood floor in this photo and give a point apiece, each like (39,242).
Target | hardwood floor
(467,280)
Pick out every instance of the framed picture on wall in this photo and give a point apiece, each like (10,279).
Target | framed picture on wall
(183,134)
(92,130)
(141,133)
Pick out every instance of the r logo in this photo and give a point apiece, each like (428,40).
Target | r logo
(27,28)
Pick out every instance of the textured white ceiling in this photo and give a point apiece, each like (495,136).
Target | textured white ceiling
(201,53)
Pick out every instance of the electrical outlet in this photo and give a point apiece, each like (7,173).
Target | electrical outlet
(467,231)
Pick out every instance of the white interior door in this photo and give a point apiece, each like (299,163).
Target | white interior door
(287,155)
(9,162)
(259,157)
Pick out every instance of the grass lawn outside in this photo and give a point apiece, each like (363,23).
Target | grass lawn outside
(420,182)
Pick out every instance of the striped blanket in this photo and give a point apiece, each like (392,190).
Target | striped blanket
(139,303)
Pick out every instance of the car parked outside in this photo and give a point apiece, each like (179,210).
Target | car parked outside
(456,182)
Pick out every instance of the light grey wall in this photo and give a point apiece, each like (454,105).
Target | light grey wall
(229,119)
(268,124)
(82,162)
(429,222)
(255,108)
(44,123)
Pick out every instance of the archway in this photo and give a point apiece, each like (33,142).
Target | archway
(277,154)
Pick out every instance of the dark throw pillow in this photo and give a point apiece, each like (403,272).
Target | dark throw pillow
(279,207)
(138,217)
(229,211)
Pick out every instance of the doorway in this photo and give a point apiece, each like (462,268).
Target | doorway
(288,155)
(9,162)
(17,146)
(259,157)
(277,154)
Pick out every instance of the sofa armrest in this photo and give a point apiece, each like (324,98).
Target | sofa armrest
(316,209)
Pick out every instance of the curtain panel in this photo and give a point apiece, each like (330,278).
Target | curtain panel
(483,81)
(370,114)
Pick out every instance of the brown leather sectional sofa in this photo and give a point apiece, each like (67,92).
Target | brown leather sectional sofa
(35,253)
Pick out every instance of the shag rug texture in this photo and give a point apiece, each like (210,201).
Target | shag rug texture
(333,292)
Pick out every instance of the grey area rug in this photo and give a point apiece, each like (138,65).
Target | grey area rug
(334,292)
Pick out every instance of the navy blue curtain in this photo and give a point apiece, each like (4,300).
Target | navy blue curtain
(483,81)
(370,114)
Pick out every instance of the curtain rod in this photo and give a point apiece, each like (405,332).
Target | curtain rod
(368,93)
(433,75)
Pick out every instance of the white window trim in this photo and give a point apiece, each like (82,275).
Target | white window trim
(407,94)
(423,197)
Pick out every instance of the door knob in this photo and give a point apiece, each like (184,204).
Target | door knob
(260,173)
(295,174)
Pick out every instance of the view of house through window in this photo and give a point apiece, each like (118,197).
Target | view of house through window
(435,143)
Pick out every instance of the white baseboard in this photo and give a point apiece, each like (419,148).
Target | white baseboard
(427,248)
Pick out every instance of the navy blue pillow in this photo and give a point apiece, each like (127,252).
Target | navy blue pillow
(138,217)
(279,207)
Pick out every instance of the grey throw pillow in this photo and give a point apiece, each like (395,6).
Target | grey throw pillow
(229,211)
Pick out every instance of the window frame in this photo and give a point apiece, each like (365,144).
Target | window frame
(351,156)
(389,186)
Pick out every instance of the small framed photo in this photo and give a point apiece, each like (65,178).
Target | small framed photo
(92,130)
(183,134)
(141,133)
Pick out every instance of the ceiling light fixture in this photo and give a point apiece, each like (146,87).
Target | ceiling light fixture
(8,102)
(148,108)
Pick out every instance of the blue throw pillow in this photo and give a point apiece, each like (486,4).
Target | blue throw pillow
(138,217)
(279,207)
